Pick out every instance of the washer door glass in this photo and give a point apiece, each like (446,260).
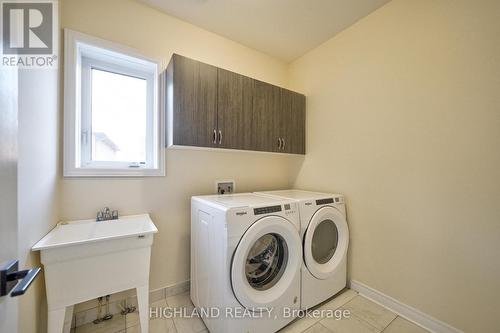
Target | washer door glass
(265,268)
(266,261)
(324,242)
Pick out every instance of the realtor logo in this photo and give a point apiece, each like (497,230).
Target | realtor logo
(28,30)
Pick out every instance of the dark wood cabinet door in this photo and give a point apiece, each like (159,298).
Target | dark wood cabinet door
(234,110)
(266,108)
(194,102)
(299,116)
(283,119)
(291,127)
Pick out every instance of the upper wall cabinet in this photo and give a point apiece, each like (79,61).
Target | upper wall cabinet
(213,107)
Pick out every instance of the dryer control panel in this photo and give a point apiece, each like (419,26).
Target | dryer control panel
(335,200)
(325,201)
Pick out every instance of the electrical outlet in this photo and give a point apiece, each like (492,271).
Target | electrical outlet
(224,186)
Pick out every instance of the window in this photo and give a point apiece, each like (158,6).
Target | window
(113,124)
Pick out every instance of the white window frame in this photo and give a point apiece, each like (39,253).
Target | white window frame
(82,54)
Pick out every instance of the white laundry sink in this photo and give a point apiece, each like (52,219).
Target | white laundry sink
(86,259)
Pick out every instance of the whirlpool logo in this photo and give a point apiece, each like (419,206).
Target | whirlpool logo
(29,34)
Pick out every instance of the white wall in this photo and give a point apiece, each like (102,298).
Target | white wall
(38,178)
(8,188)
(403,118)
(189,172)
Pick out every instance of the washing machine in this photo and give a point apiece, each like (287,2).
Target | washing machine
(246,255)
(325,238)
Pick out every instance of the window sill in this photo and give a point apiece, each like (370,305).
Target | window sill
(97,173)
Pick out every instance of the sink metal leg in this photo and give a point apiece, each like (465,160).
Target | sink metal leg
(59,320)
(68,319)
(55,321)
(143,303)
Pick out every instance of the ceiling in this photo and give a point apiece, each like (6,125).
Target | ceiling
(285,29)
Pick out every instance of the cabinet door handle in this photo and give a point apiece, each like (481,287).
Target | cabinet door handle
(220,137)
(215,137)
(284,144)
(279,143)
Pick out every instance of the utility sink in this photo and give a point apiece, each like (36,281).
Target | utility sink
(86,259)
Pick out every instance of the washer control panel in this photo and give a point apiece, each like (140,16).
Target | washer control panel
(267,210)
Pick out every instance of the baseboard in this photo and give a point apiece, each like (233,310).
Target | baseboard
(177,288)
(409,313)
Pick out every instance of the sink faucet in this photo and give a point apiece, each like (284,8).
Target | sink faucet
(106,214)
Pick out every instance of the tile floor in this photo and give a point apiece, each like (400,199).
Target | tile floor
(366,317)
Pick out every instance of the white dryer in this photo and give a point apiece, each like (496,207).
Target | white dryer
(246,255)
(325,239)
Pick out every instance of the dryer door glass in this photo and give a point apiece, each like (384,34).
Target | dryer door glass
(266,261)
(324,241)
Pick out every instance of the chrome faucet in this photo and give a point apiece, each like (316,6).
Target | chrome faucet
(106,214)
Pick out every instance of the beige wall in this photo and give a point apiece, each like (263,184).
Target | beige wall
(403,119)
(189,172)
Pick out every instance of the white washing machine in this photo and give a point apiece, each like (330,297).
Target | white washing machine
(246,255)
(325,239)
